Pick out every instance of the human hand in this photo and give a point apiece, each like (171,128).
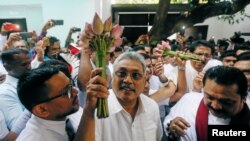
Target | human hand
(34,35)
(74,29)
(97,87)
(177,127)
(158,68)
(197,83)
(12,37)
(180,63)
(47,25)
(3,31)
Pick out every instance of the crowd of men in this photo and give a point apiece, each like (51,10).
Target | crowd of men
(49,92)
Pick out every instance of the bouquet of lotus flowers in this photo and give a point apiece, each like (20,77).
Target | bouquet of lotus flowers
(164,49)
(101,38)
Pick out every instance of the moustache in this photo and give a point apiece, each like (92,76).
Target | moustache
(127,86)
(216,111)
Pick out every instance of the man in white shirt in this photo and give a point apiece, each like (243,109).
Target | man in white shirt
(132,115)
(51,96)
(16,62)
(243,63)
(204,49)
(223,103)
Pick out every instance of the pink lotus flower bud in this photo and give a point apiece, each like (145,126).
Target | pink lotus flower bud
(97,25)
(108,25)
(157,52)
(88,30)
(116,32)
(118,42)
(166,45)
(159,46)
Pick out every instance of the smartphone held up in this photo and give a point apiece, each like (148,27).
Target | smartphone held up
(10,27)
(57,22)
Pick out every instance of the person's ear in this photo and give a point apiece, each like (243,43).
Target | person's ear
(41,110)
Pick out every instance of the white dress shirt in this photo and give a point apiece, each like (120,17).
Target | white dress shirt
(119,126)
(38,129)
(187,108)
(191,73)
(10,104)
(3,128)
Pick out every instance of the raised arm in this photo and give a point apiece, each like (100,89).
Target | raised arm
(96,88)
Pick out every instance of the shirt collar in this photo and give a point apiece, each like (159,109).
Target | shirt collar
(12,80)
(117,107)
(56,126)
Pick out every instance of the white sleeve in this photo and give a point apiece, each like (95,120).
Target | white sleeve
(20,123)
(3,40)
(35,63)
(3,127)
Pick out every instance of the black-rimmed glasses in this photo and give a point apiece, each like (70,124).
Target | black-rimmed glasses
(134,75)
(65,92)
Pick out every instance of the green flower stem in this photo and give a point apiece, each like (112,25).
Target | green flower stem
(101,48)
(183,56)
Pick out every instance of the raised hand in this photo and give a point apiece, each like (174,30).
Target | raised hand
(97,87)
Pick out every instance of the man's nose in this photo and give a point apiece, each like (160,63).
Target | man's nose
(128,79)
(216,105)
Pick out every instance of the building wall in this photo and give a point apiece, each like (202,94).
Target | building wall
(222,29)
(38,12)
(77,12)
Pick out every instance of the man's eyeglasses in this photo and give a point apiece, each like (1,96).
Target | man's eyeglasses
(65,92)
(134,75)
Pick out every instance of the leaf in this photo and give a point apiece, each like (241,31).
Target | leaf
(97,25)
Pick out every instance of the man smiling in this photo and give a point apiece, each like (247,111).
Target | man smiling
(132,115)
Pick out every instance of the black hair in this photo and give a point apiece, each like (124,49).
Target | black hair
(244,46)
(61,66)
(223,42)
(52,40)
(244,56)
(137,48)
(118,49)
(7,56)
(199,43)
(228,53)
(227,76)
(32,88)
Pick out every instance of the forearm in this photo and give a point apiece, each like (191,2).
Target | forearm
(86,129)
(181,81)
(42,35)
(11,136)
(163,78)
(181,86)
(164,93)
(67,41)
(84,70)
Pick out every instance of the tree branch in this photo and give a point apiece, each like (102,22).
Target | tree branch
(198,14)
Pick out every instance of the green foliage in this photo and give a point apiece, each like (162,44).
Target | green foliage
(233,19)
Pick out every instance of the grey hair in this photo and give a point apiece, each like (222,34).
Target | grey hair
(131,56)
(25,43)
